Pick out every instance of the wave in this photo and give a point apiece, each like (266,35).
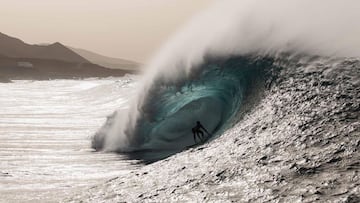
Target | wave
(207,71)
(213,95)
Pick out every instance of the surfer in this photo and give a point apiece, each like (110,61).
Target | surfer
(197,131)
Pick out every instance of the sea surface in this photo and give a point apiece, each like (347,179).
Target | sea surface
(45,131)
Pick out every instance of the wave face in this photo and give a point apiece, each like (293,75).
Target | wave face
(213,96)
(204,73)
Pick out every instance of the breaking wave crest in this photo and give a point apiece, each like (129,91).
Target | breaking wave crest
(183,84)
(212,96)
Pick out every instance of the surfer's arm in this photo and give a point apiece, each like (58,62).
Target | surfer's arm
(202,127)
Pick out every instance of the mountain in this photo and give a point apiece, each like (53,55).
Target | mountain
(108,62)
(19,60)
(15,48)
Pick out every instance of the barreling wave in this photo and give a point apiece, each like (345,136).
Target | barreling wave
(213,95)
(183,84)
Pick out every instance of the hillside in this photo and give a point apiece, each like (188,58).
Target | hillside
(19,60)
(108,62)
(15,48)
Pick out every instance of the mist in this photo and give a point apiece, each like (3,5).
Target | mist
(324,27)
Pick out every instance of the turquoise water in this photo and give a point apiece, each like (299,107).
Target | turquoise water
(213,97)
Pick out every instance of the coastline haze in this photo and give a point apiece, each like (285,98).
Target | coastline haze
(126,29)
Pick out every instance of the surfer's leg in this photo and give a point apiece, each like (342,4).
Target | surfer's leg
(194,137)
(199,135)
(202,135)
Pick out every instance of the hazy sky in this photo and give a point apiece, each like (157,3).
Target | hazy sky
(131,29)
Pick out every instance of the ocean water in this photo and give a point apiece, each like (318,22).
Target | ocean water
(45,130)
(288,132)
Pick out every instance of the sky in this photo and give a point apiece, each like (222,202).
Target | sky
(129,29)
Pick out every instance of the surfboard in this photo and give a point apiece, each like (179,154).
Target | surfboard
(207,138)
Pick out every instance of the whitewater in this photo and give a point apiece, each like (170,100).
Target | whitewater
(45,129)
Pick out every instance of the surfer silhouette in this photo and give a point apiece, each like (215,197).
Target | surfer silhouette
(197,131)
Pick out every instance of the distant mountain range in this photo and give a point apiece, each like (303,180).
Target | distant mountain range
(105,61)
(19,60)
(15,48)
